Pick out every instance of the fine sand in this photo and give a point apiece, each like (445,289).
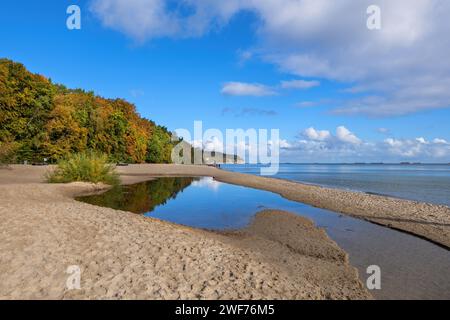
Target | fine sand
(121,255)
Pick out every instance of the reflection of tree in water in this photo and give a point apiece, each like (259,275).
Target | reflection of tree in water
(142,197)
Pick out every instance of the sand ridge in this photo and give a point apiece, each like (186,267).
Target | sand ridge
(428,221)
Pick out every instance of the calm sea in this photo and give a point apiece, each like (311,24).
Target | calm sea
(421,182)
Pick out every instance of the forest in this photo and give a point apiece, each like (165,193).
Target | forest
(42,120)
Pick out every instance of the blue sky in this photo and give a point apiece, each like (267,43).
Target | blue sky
(267,64)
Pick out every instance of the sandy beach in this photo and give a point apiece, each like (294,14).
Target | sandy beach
(122,255)
(127,256)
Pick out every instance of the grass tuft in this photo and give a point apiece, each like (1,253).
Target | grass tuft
(87,167)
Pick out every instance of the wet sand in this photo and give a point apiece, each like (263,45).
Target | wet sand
(43,230)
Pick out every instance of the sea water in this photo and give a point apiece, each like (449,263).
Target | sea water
(420,182)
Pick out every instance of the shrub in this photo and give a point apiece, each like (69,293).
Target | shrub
(7,150)
(87,167)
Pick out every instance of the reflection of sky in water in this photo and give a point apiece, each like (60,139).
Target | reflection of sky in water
(207,182)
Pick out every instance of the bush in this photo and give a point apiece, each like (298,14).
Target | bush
(87,167)
(7,150)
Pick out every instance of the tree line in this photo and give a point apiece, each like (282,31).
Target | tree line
(42,120)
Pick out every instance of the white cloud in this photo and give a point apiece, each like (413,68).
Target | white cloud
(402,68)
(140,19)
(282,143)
(246,89)
(402,98)
(440,141)
(259,90)
(212,144)
(319,102)
(393,143)
(148,19)
(320,145)
(316,135)
(413,148)
(217,144)
(299,84)
(344,135)
(421,140)
(420,148)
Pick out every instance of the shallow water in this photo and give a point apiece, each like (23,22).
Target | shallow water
(411,268)
(420,182)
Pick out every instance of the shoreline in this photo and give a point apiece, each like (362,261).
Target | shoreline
(126,256)
(427,221)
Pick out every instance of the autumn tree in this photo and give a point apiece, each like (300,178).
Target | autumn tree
(39,119)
